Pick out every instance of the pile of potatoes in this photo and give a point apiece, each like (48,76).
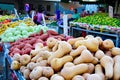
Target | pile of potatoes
(88,58)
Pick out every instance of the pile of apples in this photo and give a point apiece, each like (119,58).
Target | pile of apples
(21,31)
(100,19)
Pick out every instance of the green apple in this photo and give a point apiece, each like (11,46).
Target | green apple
(11,39)
(8,34)
(24,32)
(17,33)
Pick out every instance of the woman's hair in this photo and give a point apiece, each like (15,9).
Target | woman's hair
(75,10)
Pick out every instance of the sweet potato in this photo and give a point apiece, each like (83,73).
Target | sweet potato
(51,32)
(44,37)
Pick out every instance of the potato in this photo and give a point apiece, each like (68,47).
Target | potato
(43,78)
(42,63)
(31,65)
(36,73)
(48,72)
(39,59)
(34,52)
(26,73)
(16,57)
(25,59)
(22,68)
(15,65)
(56,77)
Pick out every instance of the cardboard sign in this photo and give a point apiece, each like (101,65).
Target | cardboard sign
(65,24)
(111,11)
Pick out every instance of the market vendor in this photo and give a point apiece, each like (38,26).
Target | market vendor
(76,15)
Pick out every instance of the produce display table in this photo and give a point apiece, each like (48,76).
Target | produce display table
(61,30)
(8,62)
(103,35)
(76,32)
(18,74)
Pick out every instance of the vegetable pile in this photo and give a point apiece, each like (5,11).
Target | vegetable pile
(8,24)
(89,58)
(100,19)
(21,31)
(25,45)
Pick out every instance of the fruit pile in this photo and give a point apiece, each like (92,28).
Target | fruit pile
(7,25)
(89,58)
(3,27)
(100,19)
(5,21)
(21,31)
(3,18)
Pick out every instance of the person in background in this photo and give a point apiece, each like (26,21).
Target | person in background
(83,13)
(27,9)
(92,13)
(75,15)
(57,15)
(35,18)
(1,11)
(88,13)
(32,11)
(39,15)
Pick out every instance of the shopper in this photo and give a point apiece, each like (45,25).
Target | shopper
(32,13)
(83,13)
(57,15)
(92,13)
(88,13)
(39,15)
(27,10)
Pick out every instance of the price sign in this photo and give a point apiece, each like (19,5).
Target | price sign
(110,11)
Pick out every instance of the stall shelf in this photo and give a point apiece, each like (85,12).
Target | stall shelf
(8,62)
(61,30)
(17,73)
(76,31)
